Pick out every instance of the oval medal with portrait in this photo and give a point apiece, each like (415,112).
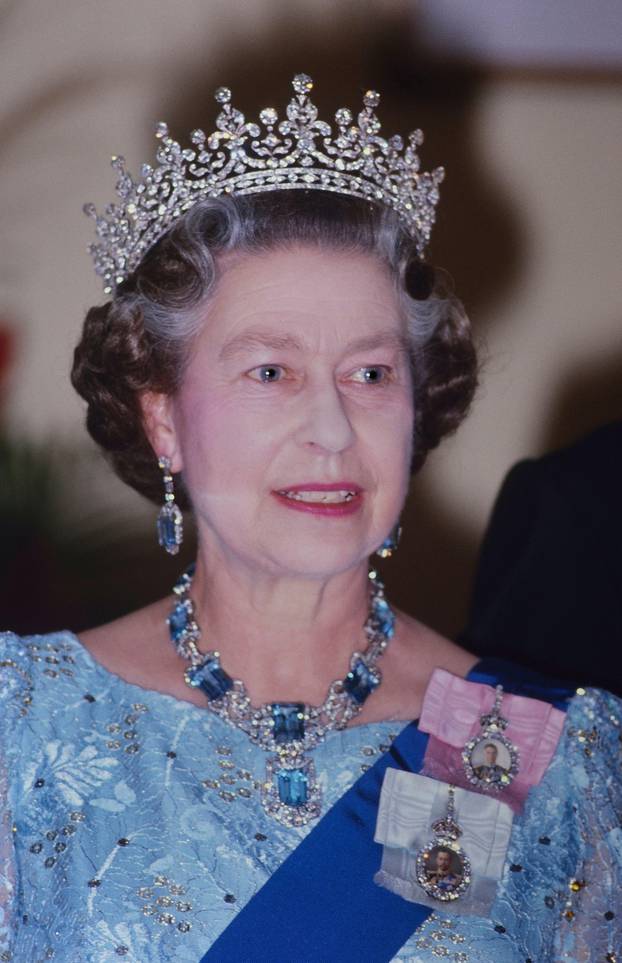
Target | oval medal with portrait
(443,869)
(490,759)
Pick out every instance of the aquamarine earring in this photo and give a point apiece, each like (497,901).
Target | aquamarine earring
(390,543)
(169,525)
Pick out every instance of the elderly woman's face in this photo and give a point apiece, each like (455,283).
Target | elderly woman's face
(294,422)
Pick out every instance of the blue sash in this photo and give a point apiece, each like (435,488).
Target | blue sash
(322,905)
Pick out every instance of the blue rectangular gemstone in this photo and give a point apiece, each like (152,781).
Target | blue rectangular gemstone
(178,621)
(293,786)
(289,723)
(210,678)
(360,682)
(385,616)
(167,533)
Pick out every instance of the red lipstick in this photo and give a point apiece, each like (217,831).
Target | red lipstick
(292,496)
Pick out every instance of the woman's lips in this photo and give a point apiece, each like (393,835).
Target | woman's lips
(338,498)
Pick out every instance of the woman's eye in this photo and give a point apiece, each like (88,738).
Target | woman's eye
(373,375)
(267,373)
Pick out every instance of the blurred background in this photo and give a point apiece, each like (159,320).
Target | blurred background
(521,102)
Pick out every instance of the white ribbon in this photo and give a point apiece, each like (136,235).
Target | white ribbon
(409,804)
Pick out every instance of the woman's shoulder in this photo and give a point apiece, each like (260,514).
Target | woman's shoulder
(592,714)
(581,725)
(12,643)
(588,759)
(45,677)
(594,733)
(583,790)
(117,659)
(36,662)
(37,676)
(20,655)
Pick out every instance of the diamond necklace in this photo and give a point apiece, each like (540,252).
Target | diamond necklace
(291,792)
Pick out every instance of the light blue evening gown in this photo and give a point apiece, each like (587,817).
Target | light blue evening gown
(133,827)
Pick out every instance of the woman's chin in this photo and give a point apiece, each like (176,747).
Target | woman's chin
(314,558)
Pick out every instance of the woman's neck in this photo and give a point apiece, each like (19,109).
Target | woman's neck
(287,638)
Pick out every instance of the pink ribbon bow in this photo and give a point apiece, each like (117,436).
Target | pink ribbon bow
(451,713)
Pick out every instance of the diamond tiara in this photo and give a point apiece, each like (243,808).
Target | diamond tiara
(242,157)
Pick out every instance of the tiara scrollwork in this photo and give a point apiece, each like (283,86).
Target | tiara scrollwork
(245,157)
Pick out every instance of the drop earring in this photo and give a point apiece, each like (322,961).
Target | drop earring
(169,524)
(390,543)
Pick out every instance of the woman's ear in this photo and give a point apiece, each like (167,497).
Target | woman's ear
(160,428)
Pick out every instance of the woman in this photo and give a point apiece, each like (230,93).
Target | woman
(286,359)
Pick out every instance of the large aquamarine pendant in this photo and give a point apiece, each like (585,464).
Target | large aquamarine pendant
(291,793)
(293,786)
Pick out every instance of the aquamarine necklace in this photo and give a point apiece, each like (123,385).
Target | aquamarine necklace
(289,731)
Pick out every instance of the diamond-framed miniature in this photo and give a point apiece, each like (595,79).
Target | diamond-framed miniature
(443,870)
(490,761)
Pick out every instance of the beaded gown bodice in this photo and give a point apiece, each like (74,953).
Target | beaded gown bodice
(133,826)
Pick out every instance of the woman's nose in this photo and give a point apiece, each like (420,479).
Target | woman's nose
(325,422)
